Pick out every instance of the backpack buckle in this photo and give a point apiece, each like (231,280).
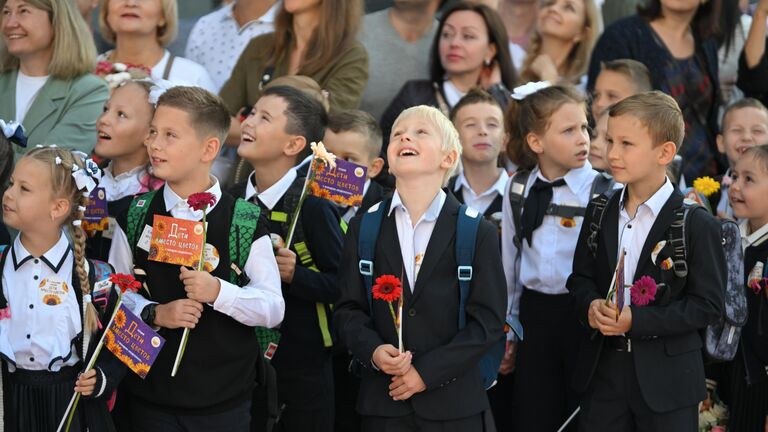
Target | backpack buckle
(365,267)
(681,268)
(465,273)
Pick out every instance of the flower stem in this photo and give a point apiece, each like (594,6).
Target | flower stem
(70,412)
(185,334)
(302,197)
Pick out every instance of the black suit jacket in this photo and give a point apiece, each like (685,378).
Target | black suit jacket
(666,343)
(374,194)
(445,357)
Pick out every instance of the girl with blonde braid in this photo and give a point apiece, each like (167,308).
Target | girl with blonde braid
(48,321)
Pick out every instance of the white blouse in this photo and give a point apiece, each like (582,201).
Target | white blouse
(45,315)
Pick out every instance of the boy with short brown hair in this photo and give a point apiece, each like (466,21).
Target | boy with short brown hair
(640,365)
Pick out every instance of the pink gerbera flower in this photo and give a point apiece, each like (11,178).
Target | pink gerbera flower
(643,291)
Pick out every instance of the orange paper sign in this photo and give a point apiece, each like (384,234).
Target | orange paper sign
(176,241)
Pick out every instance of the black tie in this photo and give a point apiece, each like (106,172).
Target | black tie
(536,206)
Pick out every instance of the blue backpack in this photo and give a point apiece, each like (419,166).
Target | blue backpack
(466,235)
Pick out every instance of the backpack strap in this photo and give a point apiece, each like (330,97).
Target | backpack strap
(466,237)
(516,201)
(137,214)
(602,183)
(245,219)
(677,235)
(599,205)
(370,226)
(3,256)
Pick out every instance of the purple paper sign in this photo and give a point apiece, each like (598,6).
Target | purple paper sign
(96,217)
(342,185)
(133,342)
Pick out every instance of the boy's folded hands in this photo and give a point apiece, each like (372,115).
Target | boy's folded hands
(391,361)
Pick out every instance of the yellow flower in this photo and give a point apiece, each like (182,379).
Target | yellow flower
(706,185)
(323,154)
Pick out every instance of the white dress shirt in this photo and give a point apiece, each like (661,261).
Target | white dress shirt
(754,239)
(45,318)
(259,303)
(125,184)
(414,238)
(483,200)
(216,41)
(272,194)
(633,231)
(545,265)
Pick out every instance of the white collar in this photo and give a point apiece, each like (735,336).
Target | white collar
(656,202)
(498,187)
(575,179)
(756,238)
(268,17)
(272,194)
(433,211)
(120,177)
(173,200)
(53,258)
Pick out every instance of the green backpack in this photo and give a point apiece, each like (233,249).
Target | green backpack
(244,222)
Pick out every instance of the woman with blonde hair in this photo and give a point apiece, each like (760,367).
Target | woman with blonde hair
(561,45)
(141,30)
(46,55)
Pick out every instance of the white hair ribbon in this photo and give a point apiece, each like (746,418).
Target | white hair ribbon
(525,90)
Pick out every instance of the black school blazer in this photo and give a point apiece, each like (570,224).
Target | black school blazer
(666,343)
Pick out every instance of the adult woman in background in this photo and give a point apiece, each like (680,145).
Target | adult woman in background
(314,38)
(676,40)
(562,43)
(140,31)
(470,49)
(46,55)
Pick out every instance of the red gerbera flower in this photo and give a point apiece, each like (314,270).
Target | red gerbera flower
(201,200)
(643,291)
(125,282)
(387,288)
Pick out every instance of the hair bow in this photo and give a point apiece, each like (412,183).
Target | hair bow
(88,176)
(525,90)
(14,132)
(161,86)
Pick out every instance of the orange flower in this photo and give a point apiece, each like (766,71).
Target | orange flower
(120,319)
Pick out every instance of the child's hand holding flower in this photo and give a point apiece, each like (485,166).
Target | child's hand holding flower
(200,286)
(86,382)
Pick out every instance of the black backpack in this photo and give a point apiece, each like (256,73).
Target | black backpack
(721,340)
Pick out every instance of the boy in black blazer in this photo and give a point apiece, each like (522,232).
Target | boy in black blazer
(435,384)
(643,370)
(276,135)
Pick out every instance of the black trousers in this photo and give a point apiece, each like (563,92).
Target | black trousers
(306,398)
(543,395)
(501,399)
(346,387)
(412,423)
(613,401)
(146,419)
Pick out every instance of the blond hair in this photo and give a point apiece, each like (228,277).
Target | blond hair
(577,61)
(64,186)
(74,52)
(165,33)
(449,137)
(656,111)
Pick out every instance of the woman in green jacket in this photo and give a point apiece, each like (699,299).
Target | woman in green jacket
(46,56)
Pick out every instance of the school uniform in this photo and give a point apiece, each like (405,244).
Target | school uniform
(215,381)
(537,296)
(489,202)
(303,356)
(423,257)
(119,191)
(745,387)
(652,378)
(41,343)
(372,193)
